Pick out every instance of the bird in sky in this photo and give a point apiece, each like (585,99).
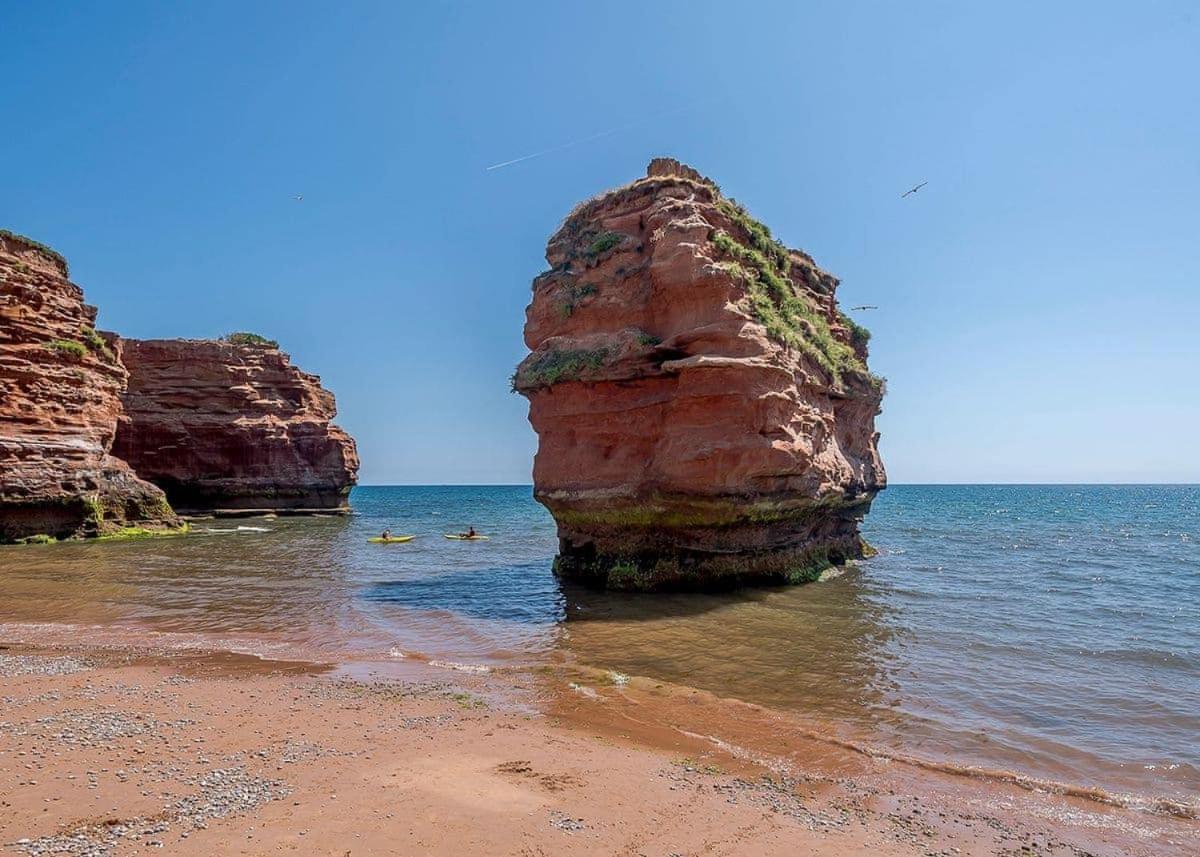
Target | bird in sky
(914,190)
(299,197)
(864,306)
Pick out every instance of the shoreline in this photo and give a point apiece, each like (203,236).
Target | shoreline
(615,693)
(580,751)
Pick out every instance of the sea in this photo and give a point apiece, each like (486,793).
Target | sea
(1051,632)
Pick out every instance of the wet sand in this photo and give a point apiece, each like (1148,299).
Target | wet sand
(127,749)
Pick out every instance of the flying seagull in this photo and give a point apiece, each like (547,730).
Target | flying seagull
(856,308)
(299,197)
(914,190)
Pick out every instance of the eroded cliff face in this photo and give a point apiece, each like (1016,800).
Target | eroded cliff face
(225,426)
(704,413)
(60,396)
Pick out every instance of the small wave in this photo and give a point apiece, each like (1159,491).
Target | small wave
(771,763)
(582,690)
(463,668)
(395,652)
(1154,805)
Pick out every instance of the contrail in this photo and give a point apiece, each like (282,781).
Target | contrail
(587,139)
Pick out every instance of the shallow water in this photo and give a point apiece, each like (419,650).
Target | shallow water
(1053,631)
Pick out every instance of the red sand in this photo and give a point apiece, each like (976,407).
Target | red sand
(222,754)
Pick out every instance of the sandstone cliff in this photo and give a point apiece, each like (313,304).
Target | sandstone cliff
(233,426)
(60,395)
(704,413)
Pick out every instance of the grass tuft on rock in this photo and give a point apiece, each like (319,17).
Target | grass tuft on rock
(788,316)
(97,343)
(574,296)
(758,234)
(68,348)
(552,367)
(858,333)
(604,242)
(49,252)
(245,338)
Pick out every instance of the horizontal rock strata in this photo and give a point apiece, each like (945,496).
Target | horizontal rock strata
(60,396)
(233,426)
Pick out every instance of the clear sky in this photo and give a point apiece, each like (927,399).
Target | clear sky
(1039,299)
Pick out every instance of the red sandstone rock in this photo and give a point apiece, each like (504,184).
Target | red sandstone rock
(703,409)
(60,395)
(233,427)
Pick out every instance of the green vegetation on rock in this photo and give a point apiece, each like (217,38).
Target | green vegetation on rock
(628,577)
(810,570)
(93,512)
(666,511)
(858,333)
(69,348)
(788,316)
(38,539)
(653,571)
(574,296)
(127,533)
(759,235)
(603,242)
(555,366)
(97,343)
(245,338)
(36,245)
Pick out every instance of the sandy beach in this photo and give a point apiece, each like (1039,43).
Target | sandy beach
(129,749)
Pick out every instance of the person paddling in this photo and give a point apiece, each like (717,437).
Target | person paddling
(470,533)
(386,535)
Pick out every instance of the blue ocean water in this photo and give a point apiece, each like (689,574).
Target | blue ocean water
(1049,630)
(1053,631)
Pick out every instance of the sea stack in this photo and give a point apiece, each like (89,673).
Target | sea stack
(60,396)
(704,411)
(232,426)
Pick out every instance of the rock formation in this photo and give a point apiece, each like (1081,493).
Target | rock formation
(233,425)
(704,413)
(60,396)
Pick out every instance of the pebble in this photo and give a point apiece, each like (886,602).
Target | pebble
(18,665)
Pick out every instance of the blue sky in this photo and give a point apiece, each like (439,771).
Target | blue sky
(1039,300)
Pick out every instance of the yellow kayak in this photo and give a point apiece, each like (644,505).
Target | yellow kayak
(458,537)
(379,540)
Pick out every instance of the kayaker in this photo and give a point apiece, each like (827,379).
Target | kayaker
(385,535)
(470,532)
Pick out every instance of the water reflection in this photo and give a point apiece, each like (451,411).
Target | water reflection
(294,575)
(819,648)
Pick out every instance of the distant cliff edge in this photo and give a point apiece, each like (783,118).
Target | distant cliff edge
(232,425)
(217,424)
